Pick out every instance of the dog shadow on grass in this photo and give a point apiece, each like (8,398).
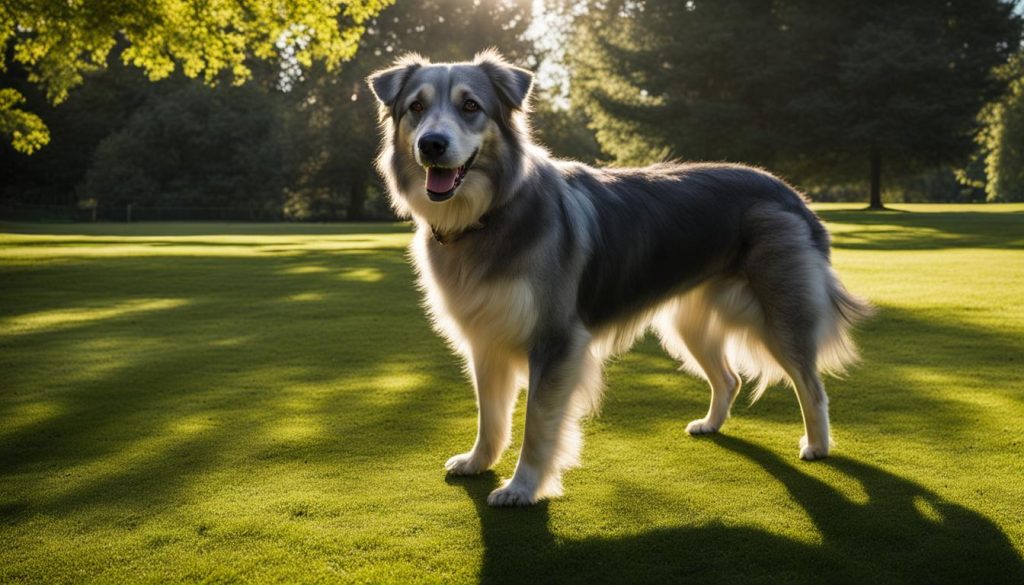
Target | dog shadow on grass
(903,533)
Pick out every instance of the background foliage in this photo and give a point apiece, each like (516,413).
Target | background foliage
(1002,140)
(821,91)
(57,42)
(227,108)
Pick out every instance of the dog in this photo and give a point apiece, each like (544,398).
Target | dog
(536,270)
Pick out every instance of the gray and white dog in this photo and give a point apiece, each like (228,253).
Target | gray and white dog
(537,269)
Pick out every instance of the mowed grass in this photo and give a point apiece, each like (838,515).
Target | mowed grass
(237,402)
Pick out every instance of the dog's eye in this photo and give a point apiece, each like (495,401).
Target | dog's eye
(416,107)
(470,106)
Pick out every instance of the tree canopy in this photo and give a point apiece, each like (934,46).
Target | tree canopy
(57,41)
(1002,138)
(295,143)
(812,88)
(815,91)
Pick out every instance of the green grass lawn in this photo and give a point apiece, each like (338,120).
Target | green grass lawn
(239,402)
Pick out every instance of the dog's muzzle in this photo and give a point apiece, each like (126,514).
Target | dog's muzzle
(442,182)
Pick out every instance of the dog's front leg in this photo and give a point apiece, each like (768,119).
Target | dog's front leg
(552,440)
(494,380)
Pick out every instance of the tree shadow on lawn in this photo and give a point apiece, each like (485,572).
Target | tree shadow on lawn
(902,534)
(897,230)
(177,394)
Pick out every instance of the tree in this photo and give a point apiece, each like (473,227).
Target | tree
(312,133)
(58,41)
(1002,138)
(564,132)
(194,146)
(816,89)
(100,107)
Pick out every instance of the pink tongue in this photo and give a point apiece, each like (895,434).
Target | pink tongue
(441,180)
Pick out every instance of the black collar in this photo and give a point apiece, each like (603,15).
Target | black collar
(452,237)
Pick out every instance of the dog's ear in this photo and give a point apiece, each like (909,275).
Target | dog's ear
(513,83)
(386,84)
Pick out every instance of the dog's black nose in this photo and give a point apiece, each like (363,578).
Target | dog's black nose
(433,145)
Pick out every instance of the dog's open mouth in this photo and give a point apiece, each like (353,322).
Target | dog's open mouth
(442,183)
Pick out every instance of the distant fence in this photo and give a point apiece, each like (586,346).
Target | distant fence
(12,212)
(131,213)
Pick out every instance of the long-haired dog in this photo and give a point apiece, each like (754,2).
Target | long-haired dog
(537,269)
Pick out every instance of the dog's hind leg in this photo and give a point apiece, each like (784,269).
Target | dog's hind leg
(799,365)
(814,406)
(693,334)
(791,281)
(494,379)
(709,352)
(792,342)
(564,382)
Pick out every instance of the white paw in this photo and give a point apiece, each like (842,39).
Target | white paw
(465,464)
(809,452)
(701,426)
(513,494)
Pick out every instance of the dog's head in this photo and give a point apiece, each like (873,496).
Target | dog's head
(454,134)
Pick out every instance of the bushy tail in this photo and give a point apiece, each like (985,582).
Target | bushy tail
(836,349)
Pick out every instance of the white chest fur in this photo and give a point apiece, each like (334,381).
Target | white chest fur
(470,310)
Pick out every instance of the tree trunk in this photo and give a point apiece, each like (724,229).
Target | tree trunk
(876,179)
(356,198)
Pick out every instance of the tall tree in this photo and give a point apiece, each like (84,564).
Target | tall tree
(99,108)
(57,41)
(818,89)
(193,146)
(1002,138)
